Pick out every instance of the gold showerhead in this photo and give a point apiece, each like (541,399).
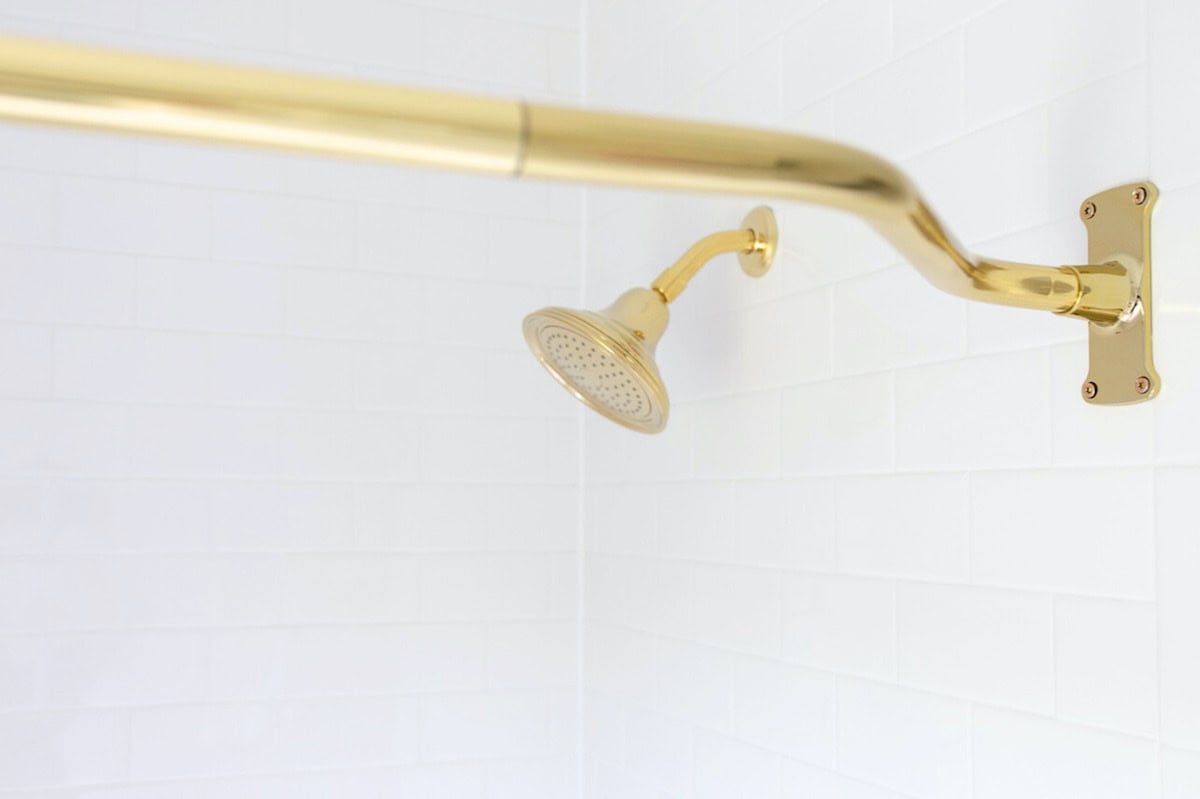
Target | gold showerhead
(606,358)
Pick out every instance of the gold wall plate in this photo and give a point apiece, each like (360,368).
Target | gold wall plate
(1121,354)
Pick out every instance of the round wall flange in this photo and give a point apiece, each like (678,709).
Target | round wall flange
(762,221)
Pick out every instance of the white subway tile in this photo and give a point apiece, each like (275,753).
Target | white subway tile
(1104,545)
(486,450)
(194,441)
(199,164)
(471,726)
(280,517)
(695,520)
(965,414)
(1011,158)
(408,659)
(1178,595)
(130,217)
(737,608)
(915,23)
(327,588)
(45,437)
(1065,46)
(836,43)
(346,731)
(1180,773)
(31,206)
(367,32)
(26,361)
(994,646)
(1174,67)
(894,318)
(1018,755)
(726,767)
(497,51)
(52,749)
(1176,439)
(844,624)
(332,304)
(344,445)
(621,518)
(22,672)
(786,709)
(540,252)
(205,295)
(619,664)
(24,515)
(194,740)
(784,524)
(695,683)
(917,743)
(903,525)
(226,22)
(703,45)
(275,229)
(1106,666)
(120,669)
(660,751)
(802,781)
(1085,163)
(44,285)
(531,657)
(838,425)
(784,341)
(484,587)
(876,112)
(737,436)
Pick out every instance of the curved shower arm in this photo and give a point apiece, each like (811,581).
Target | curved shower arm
(674,279)
(71,85)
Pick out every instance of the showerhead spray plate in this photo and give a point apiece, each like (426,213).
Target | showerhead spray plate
(602,364)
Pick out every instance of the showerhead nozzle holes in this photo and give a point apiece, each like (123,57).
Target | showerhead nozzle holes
(603,363)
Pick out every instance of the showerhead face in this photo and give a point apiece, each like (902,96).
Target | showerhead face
(603,361)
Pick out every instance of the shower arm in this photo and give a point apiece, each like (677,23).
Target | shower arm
(755,244)
(71,85)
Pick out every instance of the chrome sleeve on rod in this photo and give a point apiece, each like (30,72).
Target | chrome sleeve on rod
(86,87)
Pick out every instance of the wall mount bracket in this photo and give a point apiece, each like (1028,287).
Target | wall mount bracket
(1121,353)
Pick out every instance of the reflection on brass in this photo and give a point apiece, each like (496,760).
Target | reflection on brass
(70,85)
(1120,350)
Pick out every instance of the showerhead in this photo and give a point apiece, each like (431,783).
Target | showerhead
(606,358)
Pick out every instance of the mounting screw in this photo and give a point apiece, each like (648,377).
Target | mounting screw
(1088,210)
(1139,197)
(1142,385)
(1090,390)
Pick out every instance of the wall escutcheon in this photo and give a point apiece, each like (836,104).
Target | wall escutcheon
(1121,353)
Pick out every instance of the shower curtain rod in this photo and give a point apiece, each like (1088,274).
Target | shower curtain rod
(81,86)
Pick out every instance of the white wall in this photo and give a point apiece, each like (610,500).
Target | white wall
(884,549)
(285,507)
(286,510)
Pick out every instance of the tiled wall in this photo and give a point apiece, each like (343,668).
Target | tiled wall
(285,508)
(884,549)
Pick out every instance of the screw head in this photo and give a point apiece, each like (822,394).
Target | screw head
(1142,385)
(1088,210)
(1139,195)
(1090,390)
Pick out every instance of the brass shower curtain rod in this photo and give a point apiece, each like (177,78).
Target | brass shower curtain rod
(79,86)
